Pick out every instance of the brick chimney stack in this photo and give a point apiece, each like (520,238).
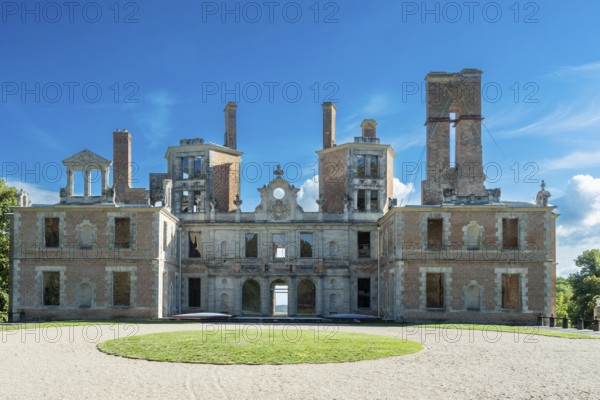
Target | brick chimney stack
(328,125)
(230,125)
(369,128)
(121,163)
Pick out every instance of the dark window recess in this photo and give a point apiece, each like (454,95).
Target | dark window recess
(510,233)
(374,201)
(306,245)
(51,288)
(364,244)
(361,201)
(435,233)
(121,289)
(251,245)
(364,293)
(435,290)
(51,232)
(510,291)
(194,292)
(195,244)
(122,233)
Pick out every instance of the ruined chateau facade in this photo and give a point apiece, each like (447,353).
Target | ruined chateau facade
(185,245)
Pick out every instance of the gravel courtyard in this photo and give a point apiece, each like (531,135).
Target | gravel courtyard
(63,363)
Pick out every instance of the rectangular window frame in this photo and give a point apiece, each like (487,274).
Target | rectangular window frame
(435,233)
(251,245)
(51,288)
(363,243)
(52,232)
(195,301)
(119,241)
(363,293)
(306,244)
(121,289)
(434,290)
(194,244)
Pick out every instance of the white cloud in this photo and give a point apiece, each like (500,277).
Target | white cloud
(565,118)
(574,160)
(308,194)
(578,227)
(37,195)
(578,69)
(402,191)
(156,119)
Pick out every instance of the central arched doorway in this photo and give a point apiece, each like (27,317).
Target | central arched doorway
(306,298)
(279,297)
(251,297)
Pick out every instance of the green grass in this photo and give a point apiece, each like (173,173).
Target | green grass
(259,345)
(29,325)
(522,330)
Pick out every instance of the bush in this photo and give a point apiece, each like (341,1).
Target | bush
(3,301)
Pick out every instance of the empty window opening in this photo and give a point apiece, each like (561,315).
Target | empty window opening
(306,245)
(185,168)
(279,297)
(363,299)
(51,288)
(510,291)
(279,242)
(194,244)
(185,198)
(510,233)
(251,298)
(435,290)
(122,289)
(435,233)
(373,166)
(364,244)
(251,245)
(306,303)
(51,232)
(197,167)
(194,292)
(122,233)
(452,139)
(78,183)
(360,166)
(96,182)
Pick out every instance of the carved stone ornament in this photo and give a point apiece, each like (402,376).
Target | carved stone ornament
(279,210)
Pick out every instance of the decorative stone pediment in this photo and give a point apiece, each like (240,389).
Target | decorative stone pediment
(278,201)
(86,158)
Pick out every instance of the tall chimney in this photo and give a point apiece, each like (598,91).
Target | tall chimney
(121,163)
(369,128)
(328,125)
(230,125)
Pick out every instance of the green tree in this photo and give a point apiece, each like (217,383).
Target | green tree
(564,295)
(8,197)
(586,285)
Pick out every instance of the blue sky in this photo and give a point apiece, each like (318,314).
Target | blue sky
(164,70)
